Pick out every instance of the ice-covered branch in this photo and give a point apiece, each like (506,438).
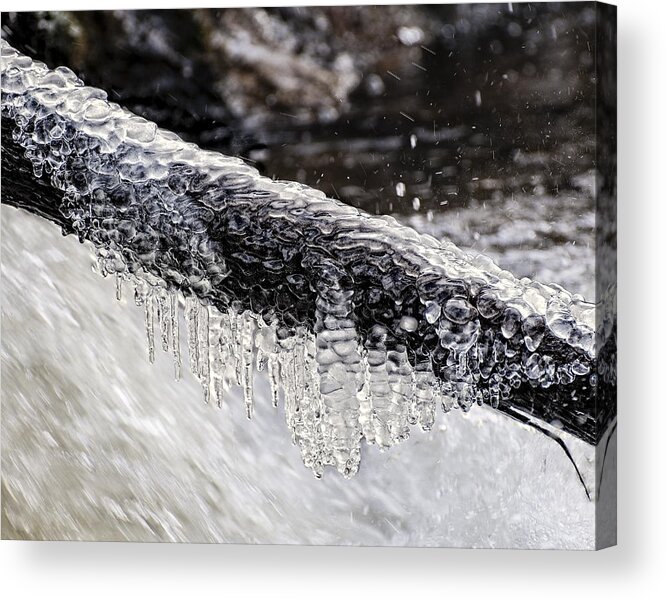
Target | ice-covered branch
(366,325)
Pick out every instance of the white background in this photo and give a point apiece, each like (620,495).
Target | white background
(634,568)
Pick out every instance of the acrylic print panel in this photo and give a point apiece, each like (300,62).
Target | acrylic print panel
(345,275)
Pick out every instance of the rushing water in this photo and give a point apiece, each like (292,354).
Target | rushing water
(100,444)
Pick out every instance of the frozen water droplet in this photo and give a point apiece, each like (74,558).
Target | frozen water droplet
(511,323)
(432,312)
(410,35)
(409,324)
(458,310)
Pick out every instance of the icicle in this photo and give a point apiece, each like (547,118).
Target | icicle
(163,319)
(447,396)
(365,414)
(247,347)
(379,392)
(400,381)
(297,384)
(175,333)
(303,406)
(261,359)
(462,365)
(203,354)
(287,377)
(237,346)
(150,325)
(216,366)
(315,410)
(273,377)
(264,343)
(227,350)
(140,290)
(424,397)
(119,287)
(339,366)
(192,318)
(495,395)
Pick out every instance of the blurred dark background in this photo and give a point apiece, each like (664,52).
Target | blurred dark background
(452,101)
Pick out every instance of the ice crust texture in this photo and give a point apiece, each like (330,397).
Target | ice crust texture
(364,326)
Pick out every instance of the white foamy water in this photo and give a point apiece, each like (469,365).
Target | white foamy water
(97,443)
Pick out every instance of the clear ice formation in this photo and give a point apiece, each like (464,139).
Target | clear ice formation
(364,327)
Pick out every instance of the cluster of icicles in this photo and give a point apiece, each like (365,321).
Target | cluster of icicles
(333,391)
